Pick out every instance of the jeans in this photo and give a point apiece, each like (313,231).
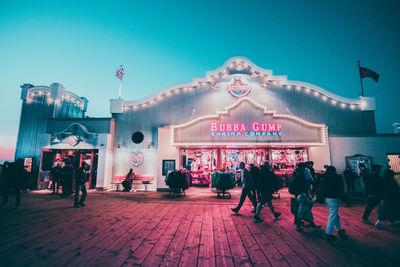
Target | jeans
(372,203)
(334,219)
(246,191)
(263,200)
(80,187)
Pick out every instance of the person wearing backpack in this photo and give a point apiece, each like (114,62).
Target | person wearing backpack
(266,186)
(296,187)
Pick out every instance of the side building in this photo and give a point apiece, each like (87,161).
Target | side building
(53,129)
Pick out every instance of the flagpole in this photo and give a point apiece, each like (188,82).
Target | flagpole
(362,87)
(119,91)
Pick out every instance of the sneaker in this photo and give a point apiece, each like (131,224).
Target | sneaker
(342,233)
(82,204)
(76,206)
(379,225)
(277,215)
(235,210)
(257,219)
(366,221)
(330,237)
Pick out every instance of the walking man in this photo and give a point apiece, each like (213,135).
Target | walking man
(80,180)
(248,185)
(267,186)
(373,187)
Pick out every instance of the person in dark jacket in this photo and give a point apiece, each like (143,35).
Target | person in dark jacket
(80,180)
(373,184)
(266,187)
(248,185)
(67,178)
(389,207)
(127,183)
(15,179)
(349,177)
(56,173)
(254,172)
(332,189)
(296,187)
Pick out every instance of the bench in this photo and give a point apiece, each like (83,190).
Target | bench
(139,179)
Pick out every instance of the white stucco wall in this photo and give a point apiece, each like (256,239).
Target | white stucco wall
(377,147)
(165,152)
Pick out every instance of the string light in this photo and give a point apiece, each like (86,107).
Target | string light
(322,127)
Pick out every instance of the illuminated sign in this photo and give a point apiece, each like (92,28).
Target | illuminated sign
(248,123)
(239,88)
(73,140)
(236,129)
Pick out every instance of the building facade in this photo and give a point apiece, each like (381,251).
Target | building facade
(239,112)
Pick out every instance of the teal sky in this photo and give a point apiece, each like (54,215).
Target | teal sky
(81,44)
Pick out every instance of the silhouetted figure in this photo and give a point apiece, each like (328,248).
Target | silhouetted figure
(15,179)
(349,177)
(67,178)
(248,185)
(254,172)
(363,173)
(389,207)
(267,185)
(56,173)
(297,186)
(373,184)
(81,178)
(127,183)
(332,189)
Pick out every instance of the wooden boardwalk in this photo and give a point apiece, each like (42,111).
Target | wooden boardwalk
(125,229)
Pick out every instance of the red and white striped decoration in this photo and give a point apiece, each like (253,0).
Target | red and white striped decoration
(120,73)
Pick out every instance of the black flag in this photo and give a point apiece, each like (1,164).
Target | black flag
(364,72)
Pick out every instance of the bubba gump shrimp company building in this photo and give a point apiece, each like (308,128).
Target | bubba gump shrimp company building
(239,112)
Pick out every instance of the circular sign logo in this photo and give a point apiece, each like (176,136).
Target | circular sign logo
(136,159)
(73,140)
(239,87)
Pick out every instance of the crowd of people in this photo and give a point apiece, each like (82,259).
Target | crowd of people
(259,184)
(14,177)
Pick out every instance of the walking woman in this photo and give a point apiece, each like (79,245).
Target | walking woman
(332,189)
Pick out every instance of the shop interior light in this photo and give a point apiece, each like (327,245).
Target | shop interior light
(324,98)
(168,94)
(298,88)
(40,93)
(135,107)
(343,105)
(274,83)
(289,87)
(333,101)
(176,91)
(316,93)
(307,90)
(352,106)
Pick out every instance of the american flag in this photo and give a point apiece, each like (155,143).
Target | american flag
(120,73)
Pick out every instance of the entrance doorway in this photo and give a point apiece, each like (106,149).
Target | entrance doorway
(75,157)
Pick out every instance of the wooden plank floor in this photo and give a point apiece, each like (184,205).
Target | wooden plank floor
(149,229)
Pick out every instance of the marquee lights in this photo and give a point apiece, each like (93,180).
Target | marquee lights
(324,128)
(239,65)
